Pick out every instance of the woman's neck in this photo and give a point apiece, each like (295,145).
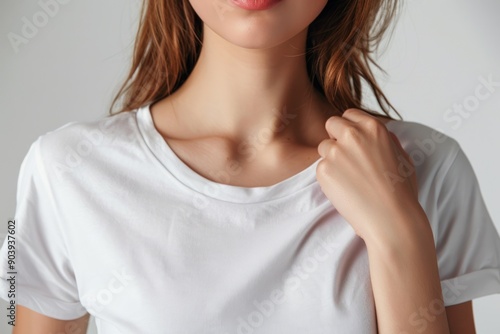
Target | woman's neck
(236,92)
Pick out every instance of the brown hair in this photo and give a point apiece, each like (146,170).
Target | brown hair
(338,52)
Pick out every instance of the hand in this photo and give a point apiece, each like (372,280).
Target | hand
(361,174)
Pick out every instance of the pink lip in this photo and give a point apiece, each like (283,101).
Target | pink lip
(255,4)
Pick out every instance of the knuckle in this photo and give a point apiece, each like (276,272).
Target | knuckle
(330,121)
(329,148)
(322,167)
(372,123)
(332,151)
(375,127)
(350,110)
(351,133)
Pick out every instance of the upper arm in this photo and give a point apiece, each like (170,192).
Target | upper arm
(37,240)
(461,318)
(31,322)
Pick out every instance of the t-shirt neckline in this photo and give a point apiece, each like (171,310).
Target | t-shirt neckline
(225,192)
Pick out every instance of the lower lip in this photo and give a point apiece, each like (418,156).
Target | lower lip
(255,4)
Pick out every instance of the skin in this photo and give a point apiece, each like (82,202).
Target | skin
(30,322)
(255,66)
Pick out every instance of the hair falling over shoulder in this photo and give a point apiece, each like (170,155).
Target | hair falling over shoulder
(339,50)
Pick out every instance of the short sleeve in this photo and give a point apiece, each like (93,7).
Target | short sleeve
(35,269)
(467,243)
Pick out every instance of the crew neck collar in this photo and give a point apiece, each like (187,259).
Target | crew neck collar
(230,193)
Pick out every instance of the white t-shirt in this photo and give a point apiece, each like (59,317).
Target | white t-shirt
(111,222)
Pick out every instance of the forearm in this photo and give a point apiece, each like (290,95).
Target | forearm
(405,280)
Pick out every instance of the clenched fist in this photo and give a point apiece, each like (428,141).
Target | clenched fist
(357,160)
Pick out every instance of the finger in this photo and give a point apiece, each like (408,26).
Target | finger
(336,126)
(356,115)
(325,146)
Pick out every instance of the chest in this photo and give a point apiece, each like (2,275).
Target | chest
(275,269)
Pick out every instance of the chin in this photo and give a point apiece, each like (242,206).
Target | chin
(254,37)
(258,29)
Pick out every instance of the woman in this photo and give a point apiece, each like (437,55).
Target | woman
(245,188)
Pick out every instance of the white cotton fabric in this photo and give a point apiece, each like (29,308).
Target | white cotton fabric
(111,222)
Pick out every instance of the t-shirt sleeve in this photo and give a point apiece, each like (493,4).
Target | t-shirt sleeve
(468,244)
(35,268)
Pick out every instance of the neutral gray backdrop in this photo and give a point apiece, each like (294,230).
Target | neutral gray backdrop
(70,69)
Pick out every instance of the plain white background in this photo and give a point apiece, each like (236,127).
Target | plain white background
(70,69)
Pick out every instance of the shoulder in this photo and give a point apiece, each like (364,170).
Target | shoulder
(83,136)
(438,160)
(432,152)
(441,167)
(79,143)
